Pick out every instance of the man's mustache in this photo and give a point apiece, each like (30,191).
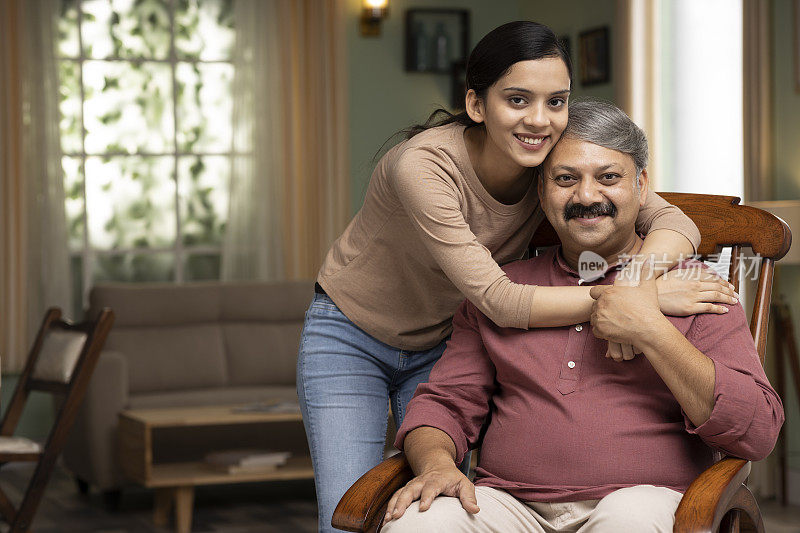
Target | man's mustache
(590,211)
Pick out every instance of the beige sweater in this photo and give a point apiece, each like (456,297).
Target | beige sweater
(429,235)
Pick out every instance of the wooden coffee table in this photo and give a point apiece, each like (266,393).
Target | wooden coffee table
(174,482)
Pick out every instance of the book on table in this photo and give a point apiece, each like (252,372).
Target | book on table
(269,406)
(246,460)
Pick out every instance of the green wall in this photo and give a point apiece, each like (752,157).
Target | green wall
(786,105)
(383,97)
(37,418)
(786,114)
(570,18)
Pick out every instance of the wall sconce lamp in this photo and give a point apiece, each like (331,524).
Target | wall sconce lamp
(372,14)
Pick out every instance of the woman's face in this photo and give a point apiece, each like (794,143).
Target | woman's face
(525,111)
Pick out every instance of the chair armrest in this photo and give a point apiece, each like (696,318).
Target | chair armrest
(715,492)
(362,507)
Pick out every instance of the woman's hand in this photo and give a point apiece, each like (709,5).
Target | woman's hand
(448,481)
(690,291)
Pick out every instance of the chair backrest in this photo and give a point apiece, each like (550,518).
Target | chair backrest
(723,222)
(61,361)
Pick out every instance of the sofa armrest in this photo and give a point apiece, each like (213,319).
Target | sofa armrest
(91,448)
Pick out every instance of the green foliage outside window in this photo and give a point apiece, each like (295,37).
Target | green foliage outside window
(145,101)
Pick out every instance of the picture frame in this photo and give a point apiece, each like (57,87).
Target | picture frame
(595,56)
(435,39)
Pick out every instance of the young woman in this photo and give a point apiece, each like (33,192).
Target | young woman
(443,210)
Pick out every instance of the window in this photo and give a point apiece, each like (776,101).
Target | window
(702,106)
(146,131)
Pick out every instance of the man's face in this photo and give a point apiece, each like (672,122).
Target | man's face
(590,197)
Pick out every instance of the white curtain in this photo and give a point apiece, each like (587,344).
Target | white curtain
(290,185)
(34,270)
(758,101)
(758,170)
(638,70)
(666,53)
(253,247)
(666,50)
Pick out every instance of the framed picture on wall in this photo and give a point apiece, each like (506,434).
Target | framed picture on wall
(435,39)
(595,56)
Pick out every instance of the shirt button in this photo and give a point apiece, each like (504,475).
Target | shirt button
(579,327)
(571,364)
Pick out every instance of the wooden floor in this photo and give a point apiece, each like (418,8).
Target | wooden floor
(778,519)
(285,507)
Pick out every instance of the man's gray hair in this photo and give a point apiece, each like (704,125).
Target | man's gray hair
(606,125)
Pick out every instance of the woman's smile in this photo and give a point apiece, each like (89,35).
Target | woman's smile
(532,142)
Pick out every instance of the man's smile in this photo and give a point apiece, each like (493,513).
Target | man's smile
(590,221)
(590,214)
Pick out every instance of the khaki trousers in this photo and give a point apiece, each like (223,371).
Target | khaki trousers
(643,508)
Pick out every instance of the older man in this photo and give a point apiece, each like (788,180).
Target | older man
(573,440)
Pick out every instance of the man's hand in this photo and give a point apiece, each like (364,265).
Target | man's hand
(626,315)
(446,480)
(628,277)
(616,351)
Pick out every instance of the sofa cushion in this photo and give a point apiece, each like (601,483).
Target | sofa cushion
(154,330)
(157,304)
(171,357)
(262,354)
(265,301)
(19,445)
(212,396)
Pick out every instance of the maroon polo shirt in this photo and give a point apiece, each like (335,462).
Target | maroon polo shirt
(561,422)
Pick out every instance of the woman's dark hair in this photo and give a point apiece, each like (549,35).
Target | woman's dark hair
(492,58)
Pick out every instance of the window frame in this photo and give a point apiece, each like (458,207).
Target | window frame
(181,252)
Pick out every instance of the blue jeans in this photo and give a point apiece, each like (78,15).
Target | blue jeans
(345,381)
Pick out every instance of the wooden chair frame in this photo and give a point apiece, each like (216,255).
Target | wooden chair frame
(72,392)
(718,499)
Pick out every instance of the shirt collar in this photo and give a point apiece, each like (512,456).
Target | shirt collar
(608,276)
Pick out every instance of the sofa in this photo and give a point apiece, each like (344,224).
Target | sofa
(186,345)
